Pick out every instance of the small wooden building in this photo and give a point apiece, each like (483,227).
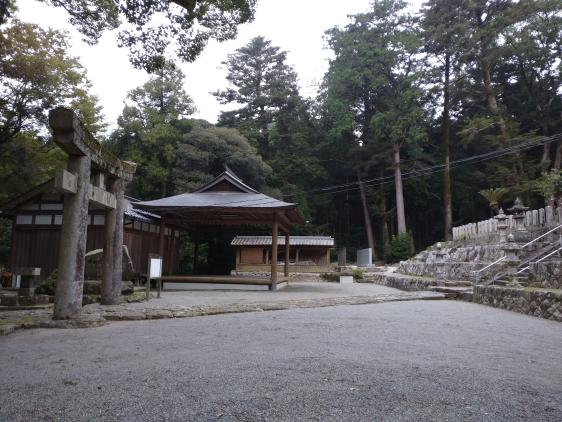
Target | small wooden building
(37,218)
(228,201)
(307,254)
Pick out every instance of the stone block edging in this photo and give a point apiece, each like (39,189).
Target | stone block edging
(97,315)
(542,303)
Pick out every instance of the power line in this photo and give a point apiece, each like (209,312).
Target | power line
(412,174)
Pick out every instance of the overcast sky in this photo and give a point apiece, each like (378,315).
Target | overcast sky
(297,26)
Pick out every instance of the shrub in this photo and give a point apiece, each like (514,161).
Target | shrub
(48,286)
(399,248)
(357,274)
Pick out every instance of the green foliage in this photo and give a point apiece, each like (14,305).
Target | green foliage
(26,162)
(494,196)
(5,242)
(150,130)
(357,274)
(264,84)
(48,286)
(204,152)
(150,28)
(549,185)
(399,248)
(37,73)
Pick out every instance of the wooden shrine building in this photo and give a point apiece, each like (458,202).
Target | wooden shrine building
(37,218)
(228,201)
(307,254)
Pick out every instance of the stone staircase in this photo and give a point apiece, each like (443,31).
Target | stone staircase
(547,251)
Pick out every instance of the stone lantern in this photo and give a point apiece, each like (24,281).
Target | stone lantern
(518,210)
(501,218)
(511,250)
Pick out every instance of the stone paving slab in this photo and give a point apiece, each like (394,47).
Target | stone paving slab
(213,303)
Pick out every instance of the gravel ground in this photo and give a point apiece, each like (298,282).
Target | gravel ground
(294,291)
(400,361)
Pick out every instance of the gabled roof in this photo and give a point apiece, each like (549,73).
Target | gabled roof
(131,211)
(293,241)
(224,200)
(228,177)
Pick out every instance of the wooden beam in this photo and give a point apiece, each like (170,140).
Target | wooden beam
(274,234)
(162,240)
(287,251)
(284,221)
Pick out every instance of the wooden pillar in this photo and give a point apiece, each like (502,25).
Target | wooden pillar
(72,246)
(287,251)
(237,257)
(328,256)
(297,252)
(113,249)
(274,234)
(162,241)
(172,250)
(195,253)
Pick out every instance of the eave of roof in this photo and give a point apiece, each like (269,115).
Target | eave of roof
(293,241)
(131,211)
(218,200)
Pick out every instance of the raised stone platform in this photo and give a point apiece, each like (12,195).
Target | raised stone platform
(542,303)
(451,262)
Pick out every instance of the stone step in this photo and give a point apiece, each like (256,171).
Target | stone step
(457,284)
(464,293)
(18,301)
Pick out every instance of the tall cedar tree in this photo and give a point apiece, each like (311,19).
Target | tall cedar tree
(150,130)
(372,85)
(263,83)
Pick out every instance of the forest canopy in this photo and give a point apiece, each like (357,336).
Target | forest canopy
(393,144)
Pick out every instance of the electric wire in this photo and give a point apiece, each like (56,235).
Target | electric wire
(411,174)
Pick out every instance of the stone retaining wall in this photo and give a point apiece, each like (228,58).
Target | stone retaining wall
(546,274)
(452,262)
(541,303)
(402,282)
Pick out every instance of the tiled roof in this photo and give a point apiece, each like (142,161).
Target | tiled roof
(139,215)
(293,241)
(216,200)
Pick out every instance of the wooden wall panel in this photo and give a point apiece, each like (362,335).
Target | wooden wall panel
(251,256)
(38,247)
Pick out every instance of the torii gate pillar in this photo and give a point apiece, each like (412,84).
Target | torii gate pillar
(86,155)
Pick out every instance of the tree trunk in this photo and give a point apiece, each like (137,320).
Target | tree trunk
(368,227)
(384,230)
(558,158)
(400,214)
(545,159)
(491,98)
(447,201)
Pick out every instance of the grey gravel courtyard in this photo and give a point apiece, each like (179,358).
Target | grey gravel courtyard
(399,361)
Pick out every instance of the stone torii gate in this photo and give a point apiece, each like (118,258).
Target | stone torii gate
(92,175)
